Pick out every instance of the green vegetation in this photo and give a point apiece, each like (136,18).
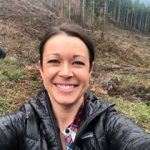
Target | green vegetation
(14,82)
(3,106)
(10,69)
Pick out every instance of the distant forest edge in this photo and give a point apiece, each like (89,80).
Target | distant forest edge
(130,14)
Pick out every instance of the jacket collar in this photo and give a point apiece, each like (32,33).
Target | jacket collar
(92,105)
(43,109)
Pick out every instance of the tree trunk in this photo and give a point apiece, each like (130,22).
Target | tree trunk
(93,14)
(104,19)
(69,9)
(83,11)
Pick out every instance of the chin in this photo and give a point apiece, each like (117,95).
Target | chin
(69,101)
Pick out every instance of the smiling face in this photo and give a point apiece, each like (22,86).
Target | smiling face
(65,69)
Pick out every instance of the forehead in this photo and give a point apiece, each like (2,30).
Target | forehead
(64,42)
(62,37)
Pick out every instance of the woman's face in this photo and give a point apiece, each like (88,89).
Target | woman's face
(65,70)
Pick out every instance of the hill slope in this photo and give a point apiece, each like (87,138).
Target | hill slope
(122,66)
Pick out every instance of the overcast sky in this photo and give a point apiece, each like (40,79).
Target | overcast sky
(146,2)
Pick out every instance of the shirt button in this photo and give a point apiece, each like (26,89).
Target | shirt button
(67,130)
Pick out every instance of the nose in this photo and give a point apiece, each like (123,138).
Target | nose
(66,71)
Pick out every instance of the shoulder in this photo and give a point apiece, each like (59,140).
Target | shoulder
(16,119)
(11,127)
(15,127)
(13,118)
(125,132)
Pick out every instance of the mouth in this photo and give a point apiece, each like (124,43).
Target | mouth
(66,86)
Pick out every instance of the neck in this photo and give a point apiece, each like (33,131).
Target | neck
(65,114)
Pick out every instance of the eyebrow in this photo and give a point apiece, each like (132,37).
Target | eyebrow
(74,56)
(53,54)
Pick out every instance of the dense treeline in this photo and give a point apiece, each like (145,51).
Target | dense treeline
(131,14)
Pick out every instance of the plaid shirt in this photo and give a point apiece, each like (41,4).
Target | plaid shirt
(71,131)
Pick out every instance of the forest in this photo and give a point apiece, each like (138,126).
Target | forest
(129,14)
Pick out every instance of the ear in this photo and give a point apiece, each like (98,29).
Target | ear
(91,69)
(40,69)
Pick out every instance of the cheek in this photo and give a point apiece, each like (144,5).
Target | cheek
(47,73)
(84,76)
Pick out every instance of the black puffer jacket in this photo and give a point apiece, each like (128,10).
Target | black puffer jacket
(102,128)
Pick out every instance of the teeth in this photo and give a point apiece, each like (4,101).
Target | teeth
(65,86)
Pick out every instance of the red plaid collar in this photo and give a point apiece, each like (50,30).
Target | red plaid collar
(78,116)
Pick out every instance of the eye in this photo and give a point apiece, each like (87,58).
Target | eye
(53,61)
(79,63)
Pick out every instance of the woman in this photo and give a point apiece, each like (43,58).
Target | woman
(65,116)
